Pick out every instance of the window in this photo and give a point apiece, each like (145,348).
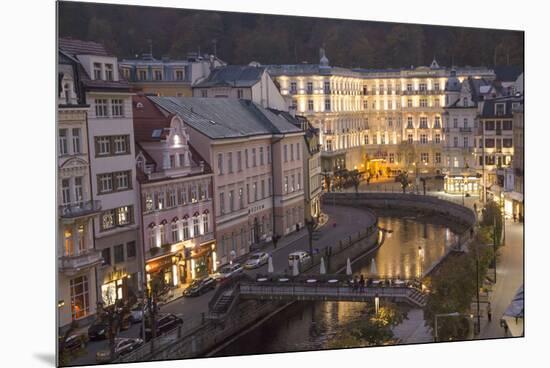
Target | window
(241,199)
(507,125)
(205,229)
(119,253)
(489,125)
(220,163)
(171,202)
(106,254)
(255,189)
(506,142)
(80,299)
(423,102)
(222,203)
(78,195)
(327,104)
(268,154)
(101,107)
(297,151)
(422,86)
(436,86)
(392,158)
(465,122)
(66,191)
(424,157)
(196,230)
(365,104)
(489,143)
(299,183)
(500,109)
(142,75)
(438,138)
(131,249)
(239,93)
(286,184)
(409,102)
(263,188)
(455,123)
(108,220)
(309,88)
(103,146)
(185,229)
(179,75)
(204,93)
(261,156)
(76,140)
(239,161)
(327,87)
(124,215)
(105,183)
(253,157)
(63,149)
(117,107)
(310,105)
(121,144)
(230,162)
(285,153)
(423,139)
(175,232)
(466,143)
(455,141)
(293,87)
(162,233)
(246,157)
(122,180)
(409,122)
(438,157)
(366,139)
(437,123)
(292,183)
(158,75)
(436,102)
(231,201)
(269,186)
(424,123)
(291,152)
(410,138)
(97,70)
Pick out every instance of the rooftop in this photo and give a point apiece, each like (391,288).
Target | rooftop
(75,47)
(234,76)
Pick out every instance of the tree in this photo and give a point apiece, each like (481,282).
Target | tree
(403,178)
(492,217)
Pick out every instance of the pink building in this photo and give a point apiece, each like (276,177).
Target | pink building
(175,186)
(257,159)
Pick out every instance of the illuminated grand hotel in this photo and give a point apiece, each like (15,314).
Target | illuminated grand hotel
(376,121)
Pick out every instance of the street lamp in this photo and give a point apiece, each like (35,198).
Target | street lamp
(421,258)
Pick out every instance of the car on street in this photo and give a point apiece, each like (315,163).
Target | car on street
(256,260)
(227,271)
(165,323)
(98,330)
(74,342)
(200,286)
(123,346)
(299,256)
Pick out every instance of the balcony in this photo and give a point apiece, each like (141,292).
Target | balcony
(465,130)
(72,264)
(80,209)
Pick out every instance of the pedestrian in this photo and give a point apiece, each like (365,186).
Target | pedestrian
(297,227)
(355,283)
(489,314)
(361,283)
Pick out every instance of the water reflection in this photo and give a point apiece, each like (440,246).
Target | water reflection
(311,325)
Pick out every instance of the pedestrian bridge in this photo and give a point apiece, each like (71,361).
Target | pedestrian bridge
(337,291)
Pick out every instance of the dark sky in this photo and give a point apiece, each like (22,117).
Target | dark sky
(239,38)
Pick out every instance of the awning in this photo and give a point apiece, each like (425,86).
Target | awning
(514,196)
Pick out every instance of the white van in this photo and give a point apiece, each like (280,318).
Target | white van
(299,256)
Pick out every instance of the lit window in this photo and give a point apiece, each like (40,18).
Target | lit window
(80,299)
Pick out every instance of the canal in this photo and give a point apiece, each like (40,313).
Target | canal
(314,325)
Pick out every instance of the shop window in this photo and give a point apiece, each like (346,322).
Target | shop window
(80,299)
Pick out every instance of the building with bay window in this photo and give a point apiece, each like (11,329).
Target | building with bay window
(175,187)
(112,174)
(256,156)
(77,257)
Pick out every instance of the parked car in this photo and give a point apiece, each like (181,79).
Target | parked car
(138,312)
(256,260)
(98,330)
(200,286)
(74,342)
(300,256)
(165,323)
(228,271)
(122,347)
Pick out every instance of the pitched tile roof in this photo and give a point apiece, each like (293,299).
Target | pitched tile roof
(147,118)
(78,47)
(234,76)
(220,118)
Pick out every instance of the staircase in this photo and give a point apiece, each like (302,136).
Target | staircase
(223,303)
(417,298)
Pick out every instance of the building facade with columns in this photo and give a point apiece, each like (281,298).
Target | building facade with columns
(375,121)
(257,160)
(175,187)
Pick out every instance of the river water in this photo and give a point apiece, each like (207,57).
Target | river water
(293,330)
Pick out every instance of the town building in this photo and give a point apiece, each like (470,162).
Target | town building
(112,165)
(175,187)
(167,77)
(77,210)
(250,82)
(495,147)
(515,195)
(460,122)
(376,121)
(257,159)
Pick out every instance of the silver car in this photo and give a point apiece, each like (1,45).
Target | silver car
(256,260)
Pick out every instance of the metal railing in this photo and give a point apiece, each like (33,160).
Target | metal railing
(89,257)
(79,208)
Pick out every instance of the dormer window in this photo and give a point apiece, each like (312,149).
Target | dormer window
(142,75)
(158,75)
(465,101)
(179,75)
(500,109)
(67,91)
(97,70)
(109,72)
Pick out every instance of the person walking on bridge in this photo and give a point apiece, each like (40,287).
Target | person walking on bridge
(361,283)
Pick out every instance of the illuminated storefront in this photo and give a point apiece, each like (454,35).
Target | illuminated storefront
(459,184)
(119,285)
